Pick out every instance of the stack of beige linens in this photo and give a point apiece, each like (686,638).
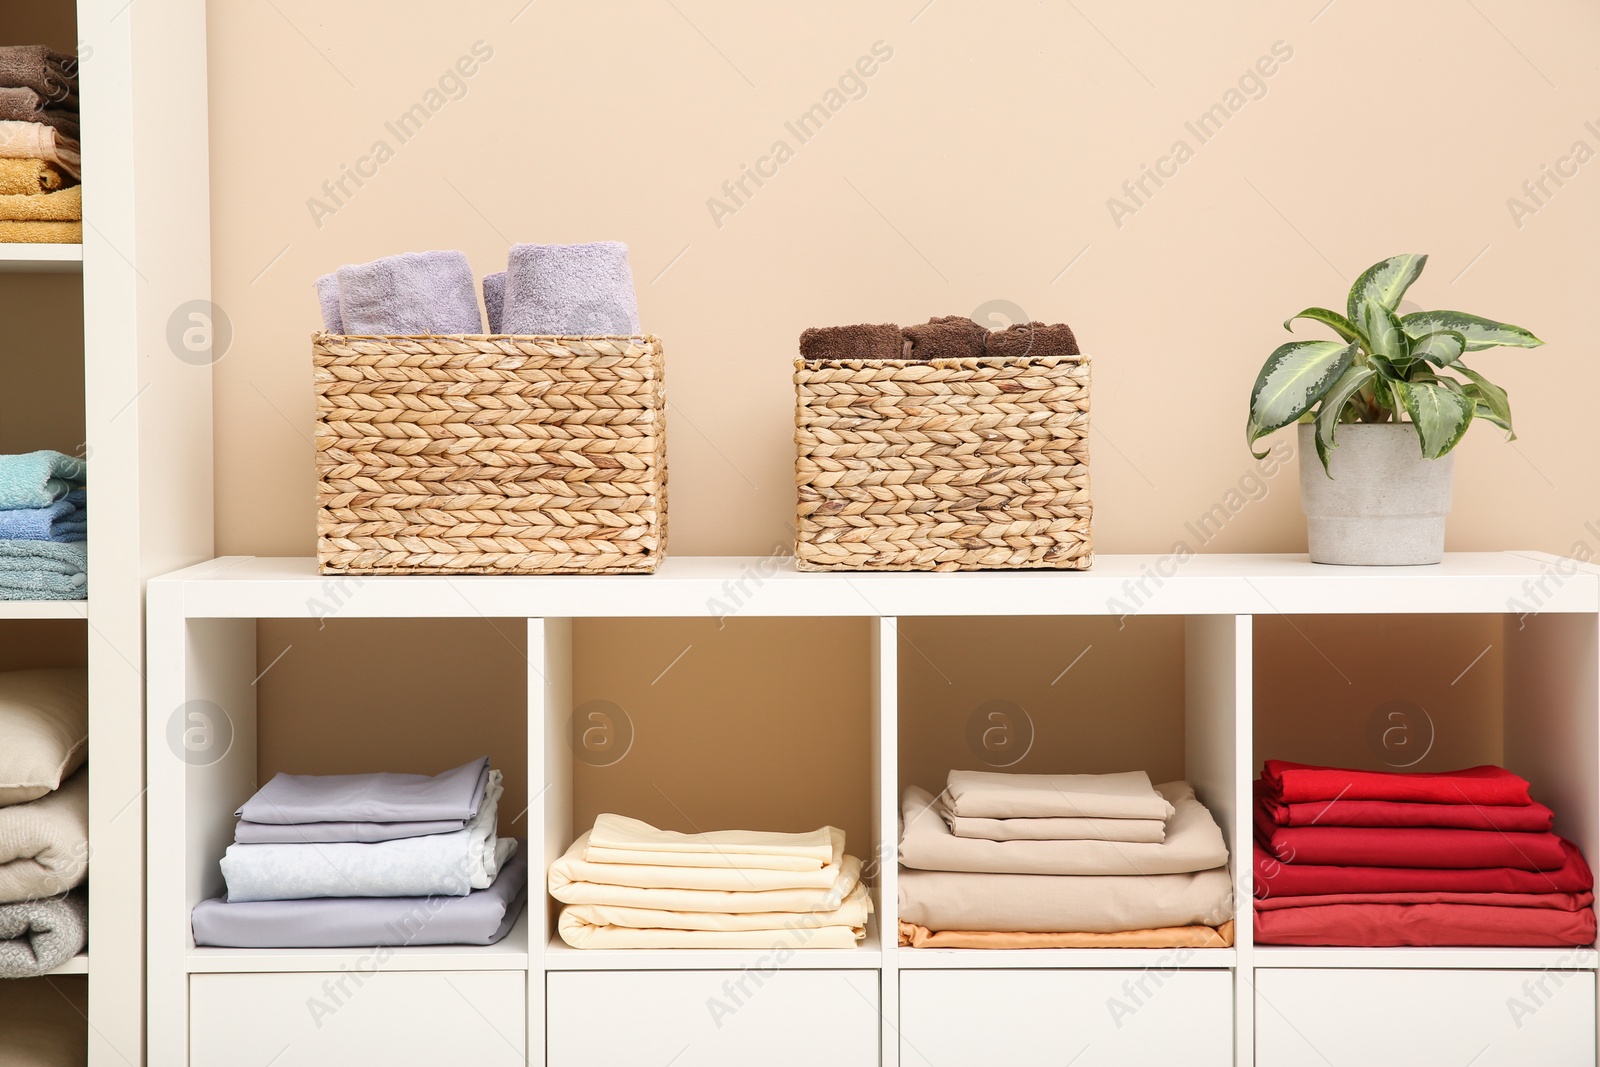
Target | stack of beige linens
(628,885)
(1061,861)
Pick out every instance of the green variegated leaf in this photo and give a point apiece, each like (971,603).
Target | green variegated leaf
(1341,325)
(1441,348)
(1493,403)
(1385,337)
(1441,414)
(1333,405)
(1385,283)
(1294,378)
(1480,333)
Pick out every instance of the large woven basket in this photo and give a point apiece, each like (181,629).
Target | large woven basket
(490,455)
(957,464)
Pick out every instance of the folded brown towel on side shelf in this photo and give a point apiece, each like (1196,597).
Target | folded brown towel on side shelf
(33,66)
(63,206)
(852,342)
(25,105)
(1033,339)
(27,177)
(950,337)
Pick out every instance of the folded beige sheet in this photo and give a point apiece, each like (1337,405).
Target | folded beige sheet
(915,936)
(616,839)
(997,795)
(579,934)
(945,900)
(1193,843)
(64,205)
(709,900)
(852,911)
(572,867)
(44,844)
(1149,831)
(24,177)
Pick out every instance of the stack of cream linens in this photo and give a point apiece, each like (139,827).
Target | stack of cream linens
(628,885)
(1061,861)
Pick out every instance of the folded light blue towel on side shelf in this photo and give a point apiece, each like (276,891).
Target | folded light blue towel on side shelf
(44,570)
(570,289)
(412,293)
(65,520)
(38,479)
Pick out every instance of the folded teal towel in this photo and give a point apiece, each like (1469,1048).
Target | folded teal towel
(44,570)
(38,479)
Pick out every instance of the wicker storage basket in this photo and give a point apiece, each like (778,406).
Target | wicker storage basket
(956,464)
(490,455)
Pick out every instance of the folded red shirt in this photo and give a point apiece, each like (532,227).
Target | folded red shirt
(1556,901)
(1407,846)
(1274,878)
(1299,783)
(1529,818)
(1378,925)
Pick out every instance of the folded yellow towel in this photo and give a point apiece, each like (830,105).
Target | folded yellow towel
(40,233)
(618,839)
(65,205)
(25,177)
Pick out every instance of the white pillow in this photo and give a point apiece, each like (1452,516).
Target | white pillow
(44,730)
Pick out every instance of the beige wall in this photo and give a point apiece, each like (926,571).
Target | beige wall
(977,167)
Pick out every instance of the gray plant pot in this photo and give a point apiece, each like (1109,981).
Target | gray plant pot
(1384,506)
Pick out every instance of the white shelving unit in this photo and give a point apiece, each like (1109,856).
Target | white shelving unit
(532,999)
(146,415)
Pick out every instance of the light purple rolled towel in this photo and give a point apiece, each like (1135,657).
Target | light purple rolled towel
(328,298)
(412,293)
(570,289)
(494,298)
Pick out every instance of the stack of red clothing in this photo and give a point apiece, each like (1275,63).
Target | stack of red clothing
(1373,858)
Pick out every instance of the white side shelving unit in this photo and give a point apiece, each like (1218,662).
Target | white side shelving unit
(147,429)
(531,999)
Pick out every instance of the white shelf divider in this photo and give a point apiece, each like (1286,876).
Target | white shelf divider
(41,259)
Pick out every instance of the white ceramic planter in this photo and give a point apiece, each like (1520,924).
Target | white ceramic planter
(1384,506)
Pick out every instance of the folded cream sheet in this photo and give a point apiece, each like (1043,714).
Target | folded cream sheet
(573,867)
(579,934)
(570,890)
(851,911)
(997,795)
(1149,831)
(617,839)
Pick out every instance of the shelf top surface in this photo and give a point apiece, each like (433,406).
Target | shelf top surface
(1513,583)
(44,258)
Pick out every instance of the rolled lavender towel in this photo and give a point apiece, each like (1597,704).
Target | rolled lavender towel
(35,479)
(409,294)
(1032,339)
(494,298)
(328,301)
(33,66)
(64,520)
(44,570)
(951,337)
(570,289)
(25,105)
(37,936)
(852,342)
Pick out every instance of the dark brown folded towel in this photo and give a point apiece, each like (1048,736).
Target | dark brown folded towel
(1033,339)
(950,337)
(851,342)
(50,74)
(25,105)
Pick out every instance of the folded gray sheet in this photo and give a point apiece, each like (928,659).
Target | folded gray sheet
(292,799)
(482,917)
(37,936)
(321,833)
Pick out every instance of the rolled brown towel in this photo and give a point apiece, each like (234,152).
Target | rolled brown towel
(950,337)
(1033,339)
(851,342)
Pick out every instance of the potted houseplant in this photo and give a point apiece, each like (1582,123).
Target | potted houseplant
(1381,408)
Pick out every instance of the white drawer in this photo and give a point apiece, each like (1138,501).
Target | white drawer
(782,1018)
(1405,1018)
(1046,1018)
(396,1018)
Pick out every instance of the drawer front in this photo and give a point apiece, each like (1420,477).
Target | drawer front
(712,1018)
(1047,1018)
(1404,1018)
(397,1018)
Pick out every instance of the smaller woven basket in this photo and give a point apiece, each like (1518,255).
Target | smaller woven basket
(958,464)
(490,455)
